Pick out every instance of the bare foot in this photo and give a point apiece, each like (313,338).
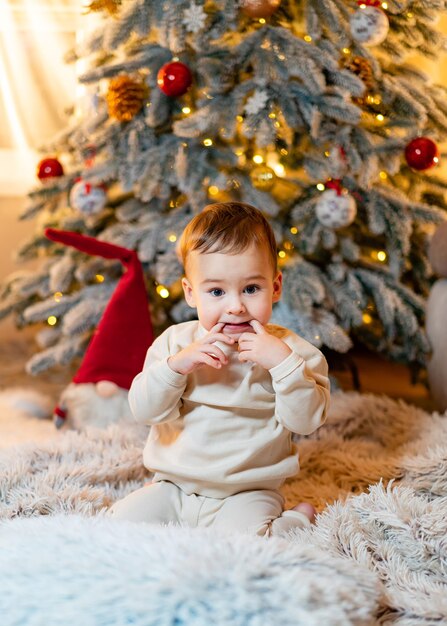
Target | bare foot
(307,509)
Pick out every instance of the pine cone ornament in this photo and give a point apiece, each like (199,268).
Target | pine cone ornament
(111,6)
(361,67)
(125,97)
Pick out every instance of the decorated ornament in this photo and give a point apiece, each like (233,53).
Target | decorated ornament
(256,102)
(87,198)
(421,153)
(194,18)
(174,78)
(336,208)
(259,8)
(361,67)
(49,167)
(369,24)
(263,177)
(125,97)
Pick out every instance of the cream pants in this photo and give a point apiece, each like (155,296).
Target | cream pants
(254,512)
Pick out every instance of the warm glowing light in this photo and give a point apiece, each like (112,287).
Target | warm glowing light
(321,187)
(239,118)
(281,254)
(380,117)
(239,152)
(52,320)
(208,142)
(213,190)
(261,20)
(279,169)
(186,110)
(162,291)
(384,5)
(367,319)
(383,175)
(272,116)
(172,238)
(307,38)
(258,158)
(288,245)
(381,255)
(294,230)
(327,153)
(57,296)
(284,152)
(346,50)
(99,278)
(435,159)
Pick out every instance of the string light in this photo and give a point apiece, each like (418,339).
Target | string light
(380,117)
(99,278)
(367,319)
(381,255)
(162,291)
(172,238)
(294,230)
(57,296)
(321,187)
(186,110)
(207,142)
(383,175)
(52,320)
(307,38)
(261,20)
(258,158)
(213,190)
(346,51)
(281,254)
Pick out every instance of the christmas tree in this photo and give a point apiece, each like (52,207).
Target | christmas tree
(307,110)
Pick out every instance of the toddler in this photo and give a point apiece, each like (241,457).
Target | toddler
(224,393)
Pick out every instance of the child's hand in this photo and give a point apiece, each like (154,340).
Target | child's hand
(201,352)
(262,348)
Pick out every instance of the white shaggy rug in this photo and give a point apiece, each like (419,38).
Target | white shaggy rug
(377,472)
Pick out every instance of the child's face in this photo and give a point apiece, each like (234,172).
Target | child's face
(232,288)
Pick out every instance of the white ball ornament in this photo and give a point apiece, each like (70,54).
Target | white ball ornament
(87,198)
(336,210)
(369,25)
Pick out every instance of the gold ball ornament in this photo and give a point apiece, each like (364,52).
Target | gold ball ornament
(263,177)
(125,97)
(259,8)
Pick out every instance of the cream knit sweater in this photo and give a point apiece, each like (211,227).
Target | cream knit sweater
(219,432)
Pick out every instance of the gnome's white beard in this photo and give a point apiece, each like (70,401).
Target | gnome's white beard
(85,407)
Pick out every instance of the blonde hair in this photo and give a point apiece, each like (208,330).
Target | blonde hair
(229,227)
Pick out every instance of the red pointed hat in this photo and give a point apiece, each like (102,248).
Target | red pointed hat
(119,345)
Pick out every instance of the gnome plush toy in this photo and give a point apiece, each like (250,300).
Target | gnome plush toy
(436,316)
(97,395)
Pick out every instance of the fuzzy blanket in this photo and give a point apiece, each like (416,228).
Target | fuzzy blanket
(377,472)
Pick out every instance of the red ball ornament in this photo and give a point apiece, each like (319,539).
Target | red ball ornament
(174,78)
(259,8)
(421,153)
(49,168)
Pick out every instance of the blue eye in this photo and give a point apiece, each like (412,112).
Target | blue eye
(251,289)
(213,292)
